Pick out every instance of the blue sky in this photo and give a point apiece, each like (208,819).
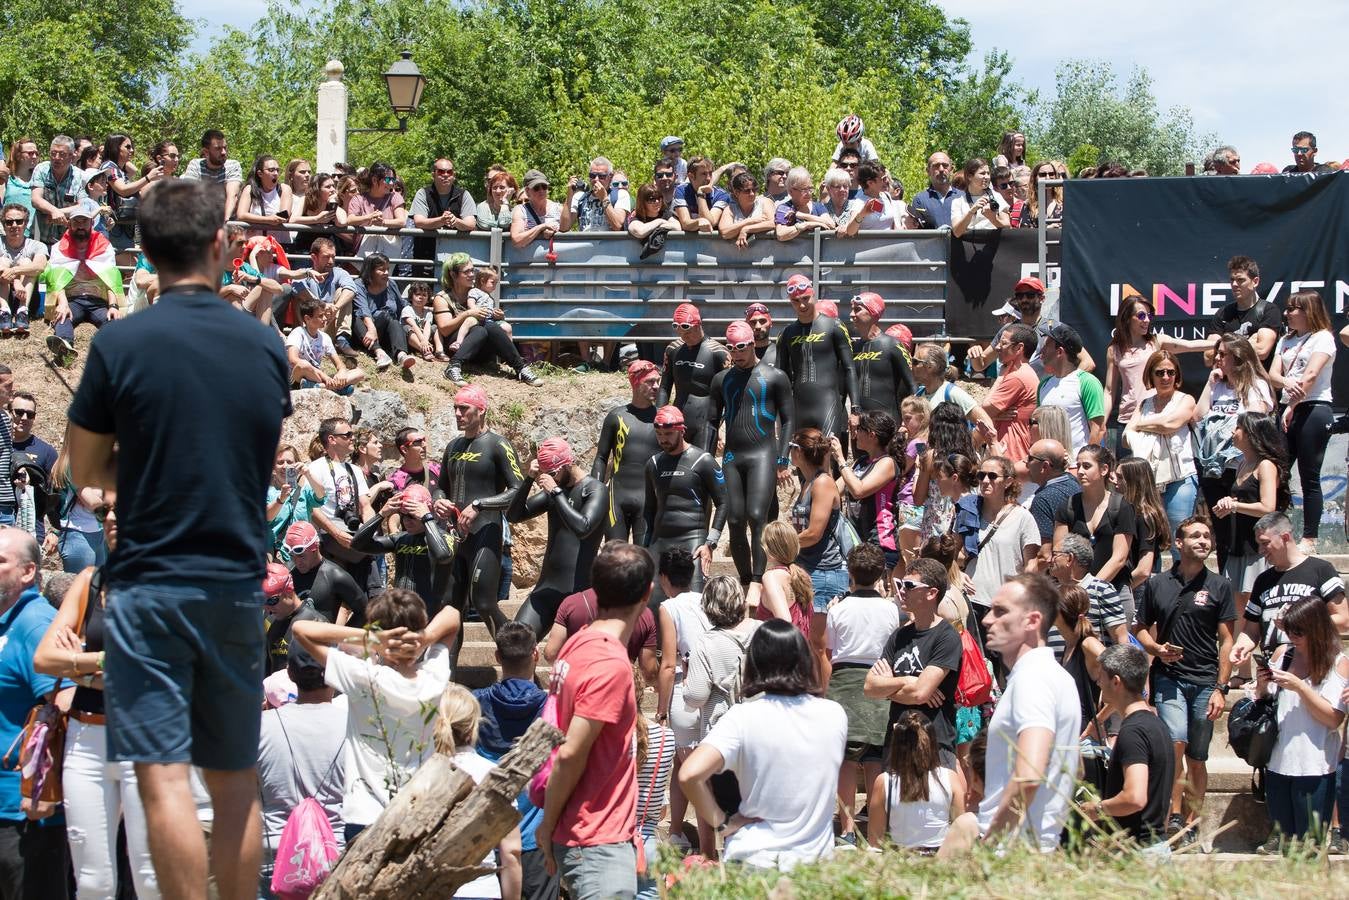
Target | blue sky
(1230,63)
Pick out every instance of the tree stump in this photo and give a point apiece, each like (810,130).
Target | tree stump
(432,836)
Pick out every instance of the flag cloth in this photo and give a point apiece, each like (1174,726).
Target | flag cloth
(65,261)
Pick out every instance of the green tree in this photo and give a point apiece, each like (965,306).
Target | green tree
(978,108)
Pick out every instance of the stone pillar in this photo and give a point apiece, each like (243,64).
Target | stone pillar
(332,119)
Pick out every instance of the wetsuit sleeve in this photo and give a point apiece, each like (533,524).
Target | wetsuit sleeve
(843,347)
(524,505)
(440,488)
(508,469)
(651,502)
(605,446)
(714,480)
(365,540)
(666,379)
(717,409)
(436,545)
(782,400)
(590,517)
(904,383)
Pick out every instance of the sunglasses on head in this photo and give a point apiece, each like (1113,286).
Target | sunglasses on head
(910,585)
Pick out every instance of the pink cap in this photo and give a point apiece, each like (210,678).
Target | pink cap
(277,582)
(799,286)
(553,454)
(639,370)
(873,303)
(738,333)
(472,395)
(827,308)
(757,309)
(669,417)
(417,493)
(687,314)
(1265,168)
(901,333)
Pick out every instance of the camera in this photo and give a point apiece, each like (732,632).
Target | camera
(332,206)
(351,520)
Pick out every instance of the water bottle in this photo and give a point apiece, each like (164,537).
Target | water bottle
(41,298)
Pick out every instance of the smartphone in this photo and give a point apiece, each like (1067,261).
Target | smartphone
(292,476)
(285,214)
(332,206)
(875,205)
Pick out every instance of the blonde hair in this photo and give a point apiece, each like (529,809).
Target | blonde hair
(457,719)
(781,543)
(919,406)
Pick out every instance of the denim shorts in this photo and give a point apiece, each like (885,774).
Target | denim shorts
(605,871)
(1183,707)
(183,676)
(828,584)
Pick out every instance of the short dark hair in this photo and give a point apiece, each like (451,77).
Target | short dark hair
(663,163)
(21,395)
(1305,136)
(372,262)
(621,575)
(1040,595)
(16,207)
(866,564)
(179,219)
(1127,663)
(211,134)
(1024,335)
(1243,264)
(401,436)
(849,151)
(327,427)
(676,564)
(1191,521)
(397,608)
(933,574)
(778,661)
(869,171)
(1275,521)
(307,675)
(5,370)
(515,642)
(308,306)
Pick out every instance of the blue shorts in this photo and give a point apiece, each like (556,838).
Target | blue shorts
(828,584)
(183,675)
(1183,708)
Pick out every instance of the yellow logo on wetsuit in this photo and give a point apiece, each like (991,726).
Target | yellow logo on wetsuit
(813,338)
(510,458)
(866,355)
(466,456)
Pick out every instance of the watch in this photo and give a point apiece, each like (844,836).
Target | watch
(1224,688)
(476,504)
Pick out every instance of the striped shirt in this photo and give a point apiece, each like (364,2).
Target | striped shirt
(653,778)
(8,501)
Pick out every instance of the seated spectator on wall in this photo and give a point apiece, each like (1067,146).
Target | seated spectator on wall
(378,205)
(318,208)
(82,275)
(848,160)
(588,205)
(538,218)
(663,175)
(845,212)
(22,260)
(699,204)
(459,303)
(307,347)
(651,215)
(1008,191)
(265,201)
(800,213)
(879,214)
(377,322)
(749,212)
(775,179)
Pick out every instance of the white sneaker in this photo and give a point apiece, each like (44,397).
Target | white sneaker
(382,360)
(407,360)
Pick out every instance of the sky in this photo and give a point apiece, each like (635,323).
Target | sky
(1229,63)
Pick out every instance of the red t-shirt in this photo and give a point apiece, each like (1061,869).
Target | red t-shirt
(1015,393)
(592,678)
(578,610)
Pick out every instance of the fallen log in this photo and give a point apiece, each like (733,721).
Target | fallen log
(434,833)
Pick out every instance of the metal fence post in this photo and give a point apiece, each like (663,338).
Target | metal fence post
(1042,226)
(494,260)
(815,269)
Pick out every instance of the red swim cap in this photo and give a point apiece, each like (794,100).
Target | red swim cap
(277,582)
(827,308)
(669,417)
(687,314)
(553,454)
(799,285)
(639,370)
(873,303)
(472,395)
(739,332)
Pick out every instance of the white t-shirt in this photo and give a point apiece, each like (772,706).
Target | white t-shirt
(690,623)
(1296,354)
(316,733)
(1223,399)
(399,723)
(856,628)
(1003,554)
(865,149)
(921,823)
(313,350)
(785,752)
(337,485)
(1039,694)
(477,768)
(960,207)
(1305,746)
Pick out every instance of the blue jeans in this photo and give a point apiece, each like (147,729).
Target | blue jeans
(602,872)
(1178,497)
(81,549)
(828,584)
(1183,709)
(7,514)
(1300,804)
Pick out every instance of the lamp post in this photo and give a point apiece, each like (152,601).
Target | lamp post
(405,83)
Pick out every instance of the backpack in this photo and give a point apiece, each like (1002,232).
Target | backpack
(305,853)
(975,685)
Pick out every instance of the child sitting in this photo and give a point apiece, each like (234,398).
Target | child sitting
(309,345)
(419,321)
(265,271)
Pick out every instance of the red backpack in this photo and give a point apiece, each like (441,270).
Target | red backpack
(975,686)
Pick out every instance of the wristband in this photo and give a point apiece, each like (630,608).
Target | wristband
(101,657)
(783,461)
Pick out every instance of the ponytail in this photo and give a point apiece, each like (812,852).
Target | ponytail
(913,756)
(803,589)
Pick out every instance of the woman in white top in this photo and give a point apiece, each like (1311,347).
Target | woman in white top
(265,200)
(1307,676)
(975,208)
(749,212)
(1166,415)
(1303,362)
(1131,346)
(915,800)
(784,748)
(1000,535)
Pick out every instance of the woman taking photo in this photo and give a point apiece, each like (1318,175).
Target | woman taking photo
(124,190)
(749,212)
(975,208)
(1303,362)
(265,201)
(1136,483)
(291,496)
(1165,416)
(787,590)
(1000,535)
(1307,677)
(98,793)
(915,800)
(869,482)
(318,208)
(815,516)
(1238,383)
(1260,487)
(784,750)
(1103,517)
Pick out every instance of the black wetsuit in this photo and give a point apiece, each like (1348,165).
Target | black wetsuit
(768,353)
(481,471)
(679,491)
(818,360)
(687,378)
(421,562)
(329,587)
(576,517)
(756,404)
(629,435)
(883,374)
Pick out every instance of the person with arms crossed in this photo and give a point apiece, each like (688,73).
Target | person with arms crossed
(184,581)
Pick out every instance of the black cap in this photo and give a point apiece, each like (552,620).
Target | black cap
(1067,337)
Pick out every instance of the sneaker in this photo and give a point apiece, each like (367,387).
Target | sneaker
(21,323)
(455,373)
(1188,836)
(6,324)
(1174,823)
(382,360)
(60,347)
(343,347)
(407,360)
(1336,843)
(1271,847)
(528,377)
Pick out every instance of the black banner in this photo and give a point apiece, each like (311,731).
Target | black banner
(984,267)
(1169,239)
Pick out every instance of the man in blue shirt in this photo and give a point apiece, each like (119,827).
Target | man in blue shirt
(932,208)
(33,856)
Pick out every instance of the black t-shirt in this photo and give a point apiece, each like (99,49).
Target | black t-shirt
(1187,614)
(1274,591)
(194,392)
(910,651)
(1118,518)
(1246,322)
(279,639)
(329,586)
(1144,740)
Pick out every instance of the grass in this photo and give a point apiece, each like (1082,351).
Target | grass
(1019,874)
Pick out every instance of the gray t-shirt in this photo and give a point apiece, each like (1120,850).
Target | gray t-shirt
(1003,553)
(301,751)
(197,170)
(30,249)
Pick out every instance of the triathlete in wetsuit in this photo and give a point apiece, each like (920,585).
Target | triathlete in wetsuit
(691,362)
(755,401)
(576,504)
(682,483)
(422,556)
(761,320)
(815,353)
(628,434)
(323,582)
(883,374)
(478,477)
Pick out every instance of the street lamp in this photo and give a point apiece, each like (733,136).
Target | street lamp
(405,83)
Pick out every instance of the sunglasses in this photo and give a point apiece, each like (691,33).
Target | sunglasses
(101,512)
(1034,421)
(1032,456)
(444,171)
(620,184)
(390,180)
(1163,373)
(269,602)
(1143,316)
(1023,294)
(599,175)
(741,345)
(781,174)
(910,585)
(663,176)
(1302,151)
(683,326)
(345,434)
(989,476)
(23,413)
(539,187)
(1005,185)
(15,223)
(847,165)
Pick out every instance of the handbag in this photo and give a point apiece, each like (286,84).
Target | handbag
(1253,730)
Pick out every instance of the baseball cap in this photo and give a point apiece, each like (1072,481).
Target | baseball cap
(671,141)
(1030,284)
(91,174)
(553,454)
(872,302)
(300,536)
(669,417)
(1066,336)
(277,582)
(799,285)
(85,209)
(1006,310)
(533,177)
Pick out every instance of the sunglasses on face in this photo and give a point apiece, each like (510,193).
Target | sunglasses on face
(1021,295)
(1005,186)
(989,476)
(23,413)
(390,179)
(620,184)
(1163,373)
(595,175)
(909,584)
(1302,151)
(444,171)
(15,223)
(663,176)
(1143,316)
